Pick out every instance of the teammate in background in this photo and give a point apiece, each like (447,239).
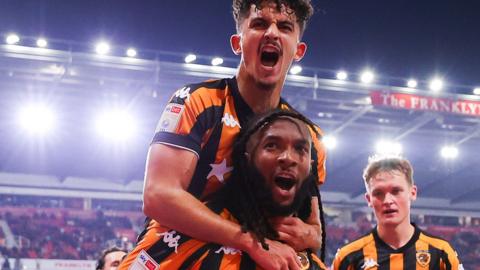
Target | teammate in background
(270,179)
(110,259)
(190,156)
(395,243)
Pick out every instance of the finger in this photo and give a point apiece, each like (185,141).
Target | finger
(294,262)
(284,237)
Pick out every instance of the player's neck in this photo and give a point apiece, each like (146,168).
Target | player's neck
(396,236)
(260,98)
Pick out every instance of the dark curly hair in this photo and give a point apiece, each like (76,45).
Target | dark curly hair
(302,9)
(241,195)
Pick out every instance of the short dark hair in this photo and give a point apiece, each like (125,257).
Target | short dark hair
(105,252)
(302,9)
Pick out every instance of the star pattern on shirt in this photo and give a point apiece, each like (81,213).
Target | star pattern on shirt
(219,170)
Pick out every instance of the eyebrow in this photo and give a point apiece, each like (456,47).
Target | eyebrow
(276,137)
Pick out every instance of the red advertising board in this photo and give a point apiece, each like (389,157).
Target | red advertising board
(425,103)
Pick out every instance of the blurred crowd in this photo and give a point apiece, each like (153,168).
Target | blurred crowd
(52,228)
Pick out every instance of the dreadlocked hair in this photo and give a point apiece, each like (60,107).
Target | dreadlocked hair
(238,194)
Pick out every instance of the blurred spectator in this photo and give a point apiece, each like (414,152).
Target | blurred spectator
(110,258)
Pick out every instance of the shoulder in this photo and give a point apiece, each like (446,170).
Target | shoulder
(204,90)
(349,251)
(435,241)
(448,253)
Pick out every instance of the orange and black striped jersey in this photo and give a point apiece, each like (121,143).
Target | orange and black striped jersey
(162,248)
(205,118)
(422,252)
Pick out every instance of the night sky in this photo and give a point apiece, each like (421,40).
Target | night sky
(396,38)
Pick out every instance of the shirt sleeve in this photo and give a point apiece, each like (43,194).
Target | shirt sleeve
(187,118)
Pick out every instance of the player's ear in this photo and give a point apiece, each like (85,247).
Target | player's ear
(300,52)
(235,43)
(413,193)
(368,198)
(247,156)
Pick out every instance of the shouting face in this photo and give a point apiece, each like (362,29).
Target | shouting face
(281,154)
(268,40)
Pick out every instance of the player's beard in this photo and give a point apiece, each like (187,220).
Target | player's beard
(264,197)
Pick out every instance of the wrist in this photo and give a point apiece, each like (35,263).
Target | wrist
(248,243)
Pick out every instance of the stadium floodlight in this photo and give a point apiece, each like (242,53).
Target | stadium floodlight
(12,39)
(42,43)
(367,76)
(295,69)
(412,83)
(436,84)
(102,48)
(342,75)
(449,152)
(388,148)
(36,119)
(476,91)
(131,52)
(330,142)
(115,125)
(190,58)
(217,61)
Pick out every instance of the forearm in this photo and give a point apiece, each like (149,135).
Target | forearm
(179,210)
(314,242)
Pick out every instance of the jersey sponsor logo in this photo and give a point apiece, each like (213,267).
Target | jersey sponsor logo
(183,93)
(171,239)
(228,250)
(369,263)
(230,121)
(176,109)
(144,262)
(170,118)
(423,257)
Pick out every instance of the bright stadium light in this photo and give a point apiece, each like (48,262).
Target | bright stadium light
(115,125)
(217,61)
(412,83)
(190,58)
(388,148)
(436,84)
(131,52)
(36,119)
(342,75)
(295,69)
(367,77)
(449,152)
(102,48)
(330,142)
(42,43)
(12,39)
(476,91)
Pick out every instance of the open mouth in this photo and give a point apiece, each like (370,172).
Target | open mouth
(284,183)
(389,211)
(269,58)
